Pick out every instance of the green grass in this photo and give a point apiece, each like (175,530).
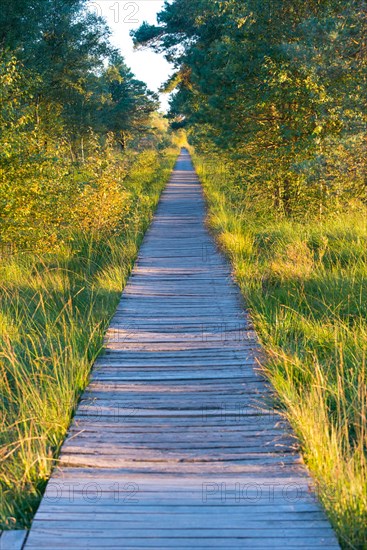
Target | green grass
(306,286)
(54,310)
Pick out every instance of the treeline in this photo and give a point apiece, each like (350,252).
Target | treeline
(69,106)
(278,89)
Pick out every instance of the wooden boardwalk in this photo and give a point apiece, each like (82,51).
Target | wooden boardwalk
(12,540)
(175,443)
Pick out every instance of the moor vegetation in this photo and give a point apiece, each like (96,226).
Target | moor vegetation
(273,96)
(83,158)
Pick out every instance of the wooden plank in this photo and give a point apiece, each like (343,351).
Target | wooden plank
(91,540)
(12,540)
(176,443)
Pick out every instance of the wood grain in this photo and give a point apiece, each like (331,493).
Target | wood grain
(176,443)
(12,540)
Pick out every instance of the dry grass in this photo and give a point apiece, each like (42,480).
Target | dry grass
(306,287)
(54,310)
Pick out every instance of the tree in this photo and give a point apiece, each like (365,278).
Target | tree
(67,98)
(260,81)
(128,105)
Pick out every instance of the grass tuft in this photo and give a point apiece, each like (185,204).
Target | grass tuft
(306,287)
(54,310)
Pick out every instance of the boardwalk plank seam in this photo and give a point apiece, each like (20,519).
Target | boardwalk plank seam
(175,443)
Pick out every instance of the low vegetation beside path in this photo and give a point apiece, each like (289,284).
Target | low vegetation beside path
(56,303)
(306,285)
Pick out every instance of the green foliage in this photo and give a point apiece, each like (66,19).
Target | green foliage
(273,96)
(279,89)
(128,104)
(44,195)
(305,285)
(54,310)
(80,175)
(62,135)
(71,79)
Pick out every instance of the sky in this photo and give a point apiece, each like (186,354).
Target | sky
(124,15)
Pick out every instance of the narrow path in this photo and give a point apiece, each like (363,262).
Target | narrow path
(175,444)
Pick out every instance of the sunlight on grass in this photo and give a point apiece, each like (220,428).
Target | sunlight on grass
(54,311)
(306,287)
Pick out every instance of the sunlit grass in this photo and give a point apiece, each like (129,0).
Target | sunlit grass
(306,286)
(54,310)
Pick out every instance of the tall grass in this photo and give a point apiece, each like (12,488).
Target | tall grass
(306,286)
(54,310)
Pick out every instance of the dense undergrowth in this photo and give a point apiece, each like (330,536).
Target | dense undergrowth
(305,283)
(56,302)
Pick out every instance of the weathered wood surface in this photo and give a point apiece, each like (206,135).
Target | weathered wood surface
(12,540)
(175,443)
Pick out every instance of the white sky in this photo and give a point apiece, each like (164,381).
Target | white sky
(124,15)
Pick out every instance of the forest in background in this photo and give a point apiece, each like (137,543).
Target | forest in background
(275,90)
(273,96)
(69,106)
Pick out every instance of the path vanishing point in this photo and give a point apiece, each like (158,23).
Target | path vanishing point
(175,443)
